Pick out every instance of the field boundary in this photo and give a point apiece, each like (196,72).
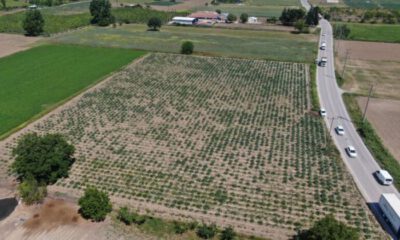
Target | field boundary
(70,98)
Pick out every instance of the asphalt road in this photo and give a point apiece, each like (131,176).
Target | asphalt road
(364,165)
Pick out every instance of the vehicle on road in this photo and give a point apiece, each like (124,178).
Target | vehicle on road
(389,204)
(323,61)
(323,46)
(322,112)
(383,177)
(351,151)
(339,130)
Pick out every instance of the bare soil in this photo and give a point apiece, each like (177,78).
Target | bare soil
(55,219)
(370,63)
(384,115)
(374,51)
(12,43)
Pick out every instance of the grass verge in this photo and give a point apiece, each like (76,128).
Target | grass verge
(314,89)
(29,89)
(371,139)
(166,229)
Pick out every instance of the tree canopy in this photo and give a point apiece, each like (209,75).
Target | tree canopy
(231,18)
(312,17)
(94,204)
(244,17)
(46,158)
(101,12)
(31,192)
(33,23)
(328,228)
(291,15)
(154,23)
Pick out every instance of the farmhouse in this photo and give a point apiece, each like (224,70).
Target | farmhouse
(184,21)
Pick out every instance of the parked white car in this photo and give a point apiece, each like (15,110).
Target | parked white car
(322,112)
(384,177)
(339,130)
(351,151)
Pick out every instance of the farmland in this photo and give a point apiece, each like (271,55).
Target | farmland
(36,80)
(390,4)
(274,45)
(258,8)
(374,32)
(217,139)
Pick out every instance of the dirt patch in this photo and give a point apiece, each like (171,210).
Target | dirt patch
(53,214)
(370,63)
(11,43)
(384,116)
(374,51)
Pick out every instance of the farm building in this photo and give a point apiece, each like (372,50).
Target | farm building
(208,15)
(252,20)
(184,21)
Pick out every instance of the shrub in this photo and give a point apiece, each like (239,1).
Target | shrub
(180,228)
(231,18)
(33,23)
(301,26)
(46,158)
(94,204)
(328,228)
(187,47)
(154,23)
(244,17)
(128,217)
(228,234)
(206,231)
(31,192)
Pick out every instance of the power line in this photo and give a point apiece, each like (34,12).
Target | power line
(366,105)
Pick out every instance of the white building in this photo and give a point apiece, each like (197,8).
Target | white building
(252,20)
(184,21)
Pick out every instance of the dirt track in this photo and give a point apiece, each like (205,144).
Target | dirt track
(12,43)
(384,115)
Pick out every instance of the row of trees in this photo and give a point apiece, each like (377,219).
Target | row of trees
(298,18)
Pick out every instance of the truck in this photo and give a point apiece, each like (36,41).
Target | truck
(323,61)
(389,203)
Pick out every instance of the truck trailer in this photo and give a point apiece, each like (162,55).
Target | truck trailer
(390,206)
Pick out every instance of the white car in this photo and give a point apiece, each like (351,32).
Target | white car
(351,151)
(384,177)
(322,112)
(339,130)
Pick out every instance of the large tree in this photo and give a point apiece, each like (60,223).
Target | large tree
(3,4)
(312,17)
(33,23)
(328,228)
(101,12)
(291,15)
(45,158)
(94,204)
(154,23)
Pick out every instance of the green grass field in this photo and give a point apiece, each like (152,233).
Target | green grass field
(375,32)
(12,23)
(390,4)
(275,45)
(14,4)
(36,80)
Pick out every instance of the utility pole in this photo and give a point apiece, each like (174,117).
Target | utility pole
(345,62)
(366,105)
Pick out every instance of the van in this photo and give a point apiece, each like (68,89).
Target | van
(384,177)
(323,46)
